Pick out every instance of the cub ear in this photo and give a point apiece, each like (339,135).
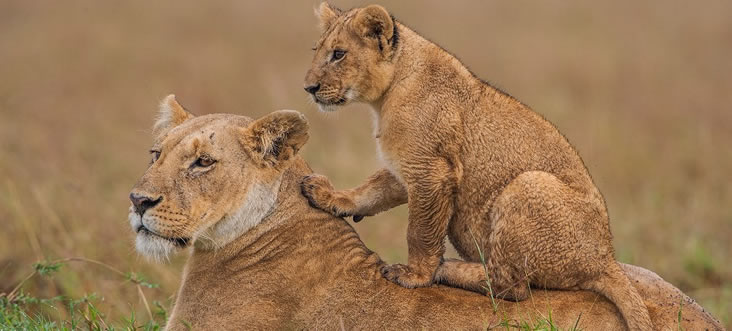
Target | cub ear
(277,137)
(170,115)
(326,14)
(375,22)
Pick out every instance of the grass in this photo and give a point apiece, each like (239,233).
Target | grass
(487,286)
(83,314)
(539,323)
(641,89)
(21,310)
(678,319)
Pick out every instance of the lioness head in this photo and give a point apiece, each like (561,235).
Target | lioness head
(354,56)
(211,178)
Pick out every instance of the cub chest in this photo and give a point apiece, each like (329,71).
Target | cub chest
(389,158)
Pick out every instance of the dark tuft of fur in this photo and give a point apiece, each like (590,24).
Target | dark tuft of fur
(394,41)
(181,242)
(277,146)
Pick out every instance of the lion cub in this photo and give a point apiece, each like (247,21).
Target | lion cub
(473,164)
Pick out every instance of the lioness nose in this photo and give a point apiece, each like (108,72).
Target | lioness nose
(143,203)
(312,89)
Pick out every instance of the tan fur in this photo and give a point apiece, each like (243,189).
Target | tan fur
(473,163)
(300,268)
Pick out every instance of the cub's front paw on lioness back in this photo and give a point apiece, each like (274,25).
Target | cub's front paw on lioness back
(321,194)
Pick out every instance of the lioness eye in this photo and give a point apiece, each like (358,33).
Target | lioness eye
(338,54)
(204,161)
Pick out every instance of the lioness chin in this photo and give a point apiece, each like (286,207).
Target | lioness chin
(472,163)
(227,188)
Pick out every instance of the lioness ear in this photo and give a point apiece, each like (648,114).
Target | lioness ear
(171,114)
(326,14)
(276,137)
(375,22)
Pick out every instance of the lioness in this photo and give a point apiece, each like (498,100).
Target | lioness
(262,259)
(472,162)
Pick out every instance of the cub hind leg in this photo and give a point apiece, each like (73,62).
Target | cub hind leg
(548,232)
(476,277)
(538,230)
(545,233)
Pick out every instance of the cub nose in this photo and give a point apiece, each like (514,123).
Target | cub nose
(312,89)
(143,203)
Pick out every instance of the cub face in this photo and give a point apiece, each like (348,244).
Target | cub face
(211,178)
(354,57)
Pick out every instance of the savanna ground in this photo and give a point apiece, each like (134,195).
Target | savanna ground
(643,89)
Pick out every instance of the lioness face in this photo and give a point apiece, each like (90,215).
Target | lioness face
(211,178)
(353,58)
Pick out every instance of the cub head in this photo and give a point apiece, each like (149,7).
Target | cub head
(354,56)
(211,178)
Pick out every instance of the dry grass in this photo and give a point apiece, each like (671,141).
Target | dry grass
(643,89)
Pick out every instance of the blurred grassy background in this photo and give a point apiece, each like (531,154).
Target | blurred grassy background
(643,89)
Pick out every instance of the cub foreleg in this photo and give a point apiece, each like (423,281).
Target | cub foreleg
(431,186)
(382,191)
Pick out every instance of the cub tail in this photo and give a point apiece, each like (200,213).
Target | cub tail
(615,285)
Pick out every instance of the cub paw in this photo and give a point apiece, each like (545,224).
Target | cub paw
(321,195)
(405,276)
(317,189)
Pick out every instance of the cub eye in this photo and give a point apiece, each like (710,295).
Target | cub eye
(204,162)
(155,156)
(338,54)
